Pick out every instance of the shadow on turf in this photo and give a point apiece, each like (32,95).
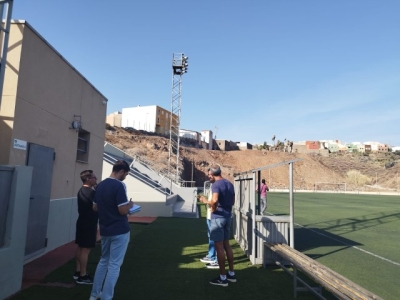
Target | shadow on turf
(313,238)
(345,225)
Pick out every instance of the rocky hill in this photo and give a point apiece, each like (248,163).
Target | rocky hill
(380,171)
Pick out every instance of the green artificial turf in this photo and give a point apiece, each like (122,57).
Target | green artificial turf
(355,235)
(162,260)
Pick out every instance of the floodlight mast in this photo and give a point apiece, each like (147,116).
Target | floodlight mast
(5,14)
(179,67)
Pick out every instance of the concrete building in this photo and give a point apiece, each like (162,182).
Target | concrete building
(52,119)
(226,145)
(244,145)
(149,118)
(207,137)
(378,147)
(397,148)
(361,148)
(114,119)
(190,134)
(312,145)
(351,147)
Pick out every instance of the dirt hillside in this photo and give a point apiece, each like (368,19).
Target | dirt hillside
(310,170)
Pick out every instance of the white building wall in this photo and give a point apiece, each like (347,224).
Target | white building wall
(140,117)
(374,147)
(361,148)
(394,149)
(206,136)
(190,134)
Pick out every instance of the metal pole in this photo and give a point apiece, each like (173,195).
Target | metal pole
(253,220)
(269,177)
(291,205)
(259,192)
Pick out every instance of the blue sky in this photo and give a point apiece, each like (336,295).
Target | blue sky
(297,69)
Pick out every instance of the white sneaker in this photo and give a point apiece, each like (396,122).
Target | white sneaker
(213,265)
(95,298)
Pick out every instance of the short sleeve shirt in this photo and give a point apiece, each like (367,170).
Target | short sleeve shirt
(263,189)
(110,194)
(87,215)
(226,192)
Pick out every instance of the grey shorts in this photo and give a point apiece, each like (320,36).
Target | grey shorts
(220,229)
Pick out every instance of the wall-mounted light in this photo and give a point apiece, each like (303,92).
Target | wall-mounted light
(76,123)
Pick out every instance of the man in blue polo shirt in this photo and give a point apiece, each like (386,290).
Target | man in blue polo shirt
(223,198)
(112,205)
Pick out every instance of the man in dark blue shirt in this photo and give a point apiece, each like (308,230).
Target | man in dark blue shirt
(223,198)
(113,205)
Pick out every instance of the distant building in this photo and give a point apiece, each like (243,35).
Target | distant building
(190,134)
(244,145)
(332,147)
(149,118)
(312,145)
(207,137)
(114,119)
(378,147)
(394,149)
(351,147)
(226,145)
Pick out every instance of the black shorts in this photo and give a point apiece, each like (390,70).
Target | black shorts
(86,234)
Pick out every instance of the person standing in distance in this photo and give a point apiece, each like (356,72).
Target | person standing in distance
(263,196)
(86,226)
(112,204)
(223,198)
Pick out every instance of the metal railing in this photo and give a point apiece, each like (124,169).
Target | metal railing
(139,176)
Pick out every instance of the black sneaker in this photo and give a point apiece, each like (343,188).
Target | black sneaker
(213,265)
(76,275)
(231,278)
(87,279)
(219,281)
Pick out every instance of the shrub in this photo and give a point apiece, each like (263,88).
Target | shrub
(356,178)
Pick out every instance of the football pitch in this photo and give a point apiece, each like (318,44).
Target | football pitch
(354,235)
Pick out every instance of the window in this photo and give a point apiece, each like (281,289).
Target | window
(82,152)
(158,120)
(158,112)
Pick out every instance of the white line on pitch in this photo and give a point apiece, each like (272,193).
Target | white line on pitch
(370,253)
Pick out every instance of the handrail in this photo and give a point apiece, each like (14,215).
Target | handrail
(158,170)
(139,176)
(150,165)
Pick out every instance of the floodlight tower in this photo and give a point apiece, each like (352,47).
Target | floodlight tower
(179,67)
(5,14)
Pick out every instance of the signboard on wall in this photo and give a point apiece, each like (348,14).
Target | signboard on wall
(20,144)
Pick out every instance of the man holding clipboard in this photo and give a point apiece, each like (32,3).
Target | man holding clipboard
(112,204)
